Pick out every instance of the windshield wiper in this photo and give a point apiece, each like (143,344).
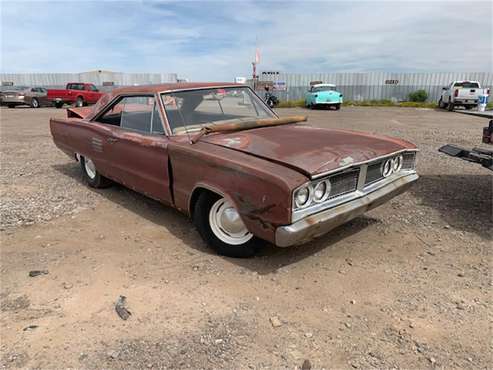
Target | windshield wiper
(245,125)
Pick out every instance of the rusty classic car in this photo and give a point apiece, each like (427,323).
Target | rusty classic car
(218,153)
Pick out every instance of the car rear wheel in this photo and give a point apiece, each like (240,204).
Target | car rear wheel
(451,107)
(91,175)
(338,106)
(11,105)
(79,102)
(221,227)
(59,104)
(34,103)
(441,105)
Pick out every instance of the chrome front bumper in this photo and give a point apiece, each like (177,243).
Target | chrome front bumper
(320,223)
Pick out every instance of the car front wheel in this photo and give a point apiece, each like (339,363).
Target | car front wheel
(93,178)
(221,227)
(34,103)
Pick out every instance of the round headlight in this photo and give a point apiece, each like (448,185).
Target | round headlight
(387,168)
(397,163)
(321,191)
(302,196)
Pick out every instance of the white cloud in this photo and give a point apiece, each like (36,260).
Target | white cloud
(216,40)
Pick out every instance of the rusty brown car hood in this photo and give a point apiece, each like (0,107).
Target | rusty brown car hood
(308,149)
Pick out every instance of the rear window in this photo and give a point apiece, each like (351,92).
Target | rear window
(467,85)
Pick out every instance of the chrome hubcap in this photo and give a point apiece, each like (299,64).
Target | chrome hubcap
(90,168)
(226,223)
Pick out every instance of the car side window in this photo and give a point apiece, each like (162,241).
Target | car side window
(113,115)
(156,123)
(135,113)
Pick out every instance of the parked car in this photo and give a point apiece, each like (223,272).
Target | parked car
(23,95)
(323,95)
(482,156)
(76,93)
(461,93)
(240,172)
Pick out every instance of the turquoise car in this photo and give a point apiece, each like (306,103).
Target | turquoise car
(323,95)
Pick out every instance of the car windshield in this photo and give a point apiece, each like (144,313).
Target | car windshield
(323,88)
(467,85)
(189,111)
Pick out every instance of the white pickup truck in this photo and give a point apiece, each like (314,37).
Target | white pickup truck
(461,93)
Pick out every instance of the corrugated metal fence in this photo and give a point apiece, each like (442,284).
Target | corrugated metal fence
(375,85)
(99,78)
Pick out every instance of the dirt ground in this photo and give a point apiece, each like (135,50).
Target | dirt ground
(408,285)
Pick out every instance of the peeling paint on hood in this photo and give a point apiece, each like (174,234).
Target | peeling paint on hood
(308,149)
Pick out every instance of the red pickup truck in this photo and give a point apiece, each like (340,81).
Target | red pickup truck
(77,93)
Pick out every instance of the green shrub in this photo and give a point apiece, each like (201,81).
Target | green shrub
(291,103)
(418,96)
(413,104)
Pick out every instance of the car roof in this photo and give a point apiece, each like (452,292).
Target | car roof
(324,85)
(145,89)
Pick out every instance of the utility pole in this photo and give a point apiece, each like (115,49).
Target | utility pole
(254,64)
(254,75)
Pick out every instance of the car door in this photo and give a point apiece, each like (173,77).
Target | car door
(43,96)
(135,146)
(92,94)
(36,92)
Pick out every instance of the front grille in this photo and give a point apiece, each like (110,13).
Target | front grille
(409,162)
(343,183)
(374,172)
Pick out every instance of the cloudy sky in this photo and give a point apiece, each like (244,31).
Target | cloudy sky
(215,40)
